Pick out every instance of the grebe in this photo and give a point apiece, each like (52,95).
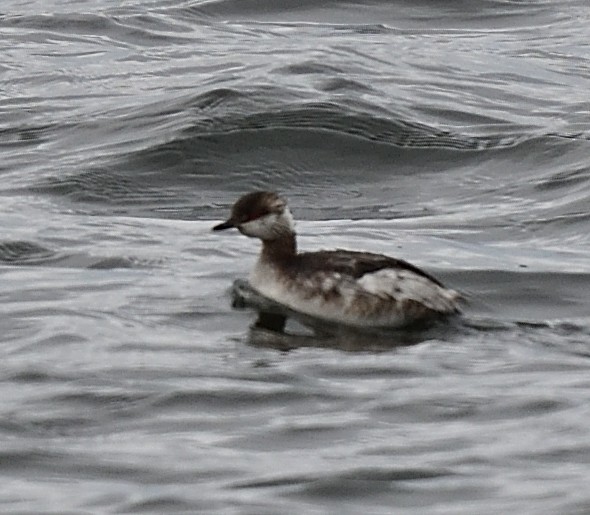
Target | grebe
(358,289)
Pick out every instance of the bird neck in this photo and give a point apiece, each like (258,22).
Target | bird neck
(279,249)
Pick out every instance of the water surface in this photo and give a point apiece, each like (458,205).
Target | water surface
(451,134)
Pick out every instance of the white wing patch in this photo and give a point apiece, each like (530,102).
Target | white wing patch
(406,285)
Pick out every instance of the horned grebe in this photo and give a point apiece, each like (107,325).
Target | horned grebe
(358,289)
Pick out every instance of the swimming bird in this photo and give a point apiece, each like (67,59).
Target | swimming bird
(351,288)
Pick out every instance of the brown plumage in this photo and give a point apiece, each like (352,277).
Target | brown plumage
(352,288)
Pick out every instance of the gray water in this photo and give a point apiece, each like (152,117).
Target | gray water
(453,134)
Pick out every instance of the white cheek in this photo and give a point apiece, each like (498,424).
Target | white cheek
(259,228)
(288,218)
